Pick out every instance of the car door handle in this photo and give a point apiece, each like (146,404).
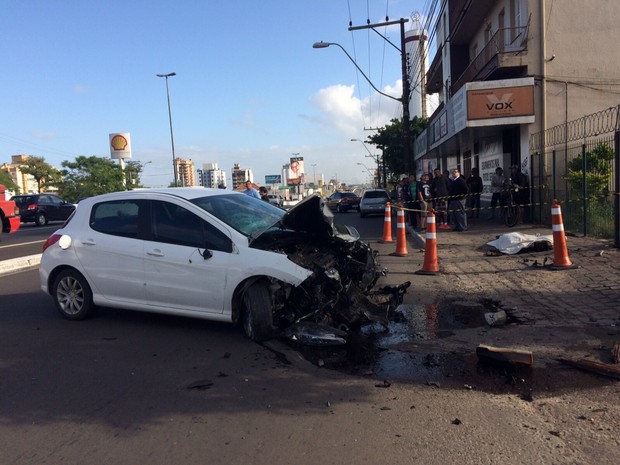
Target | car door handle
(89,242)
(155,253)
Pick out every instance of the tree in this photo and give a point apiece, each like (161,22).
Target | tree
(7,181)
(390,140)
(44,174)
(599,169)
(88,176)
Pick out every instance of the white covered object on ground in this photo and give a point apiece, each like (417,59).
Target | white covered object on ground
(512,243)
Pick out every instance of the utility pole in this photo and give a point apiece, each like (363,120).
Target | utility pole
(405,78)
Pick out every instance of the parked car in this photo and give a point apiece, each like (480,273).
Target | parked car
(42,208)
(276,199)
(373,202)
(217,255)
(343,201)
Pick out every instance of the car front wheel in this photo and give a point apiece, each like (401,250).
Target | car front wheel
(257,315)
(72,295)
(40,219)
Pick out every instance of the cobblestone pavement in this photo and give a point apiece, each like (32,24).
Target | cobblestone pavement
(575,309)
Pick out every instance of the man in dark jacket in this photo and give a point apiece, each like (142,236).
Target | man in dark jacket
(458,194)
(475,186)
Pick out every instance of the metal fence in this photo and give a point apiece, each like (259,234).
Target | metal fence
(578,163)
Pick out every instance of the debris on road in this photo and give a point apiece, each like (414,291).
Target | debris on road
(598,368)
(496,318)
(503,355)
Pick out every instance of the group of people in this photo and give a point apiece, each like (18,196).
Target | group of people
(452,196)
(261,193)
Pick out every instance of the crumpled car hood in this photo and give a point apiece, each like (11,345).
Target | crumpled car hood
(313,216)
(339,294)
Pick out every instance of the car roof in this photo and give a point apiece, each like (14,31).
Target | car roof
(187,193)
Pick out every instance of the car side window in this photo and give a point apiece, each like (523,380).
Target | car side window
(174,224)
(117,217)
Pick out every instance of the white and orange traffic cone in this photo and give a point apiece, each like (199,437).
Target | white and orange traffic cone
(387,224)
(430,266)
(560,252)
(401,235)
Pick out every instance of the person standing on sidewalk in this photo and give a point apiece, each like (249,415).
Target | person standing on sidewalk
(458,194)
(475,186)
(412,201)
(522,190)
(439,191)
(497,186)
(424,199)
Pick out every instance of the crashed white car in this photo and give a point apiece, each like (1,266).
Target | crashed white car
(217,255)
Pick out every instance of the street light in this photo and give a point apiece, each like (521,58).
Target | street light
(404,99)
(174,160)
(368,171)
(374,157)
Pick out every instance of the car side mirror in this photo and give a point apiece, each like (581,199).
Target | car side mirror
(207,254)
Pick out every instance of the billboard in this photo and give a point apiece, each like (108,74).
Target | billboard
(120,145)
(500,102)
(273,179)
(297,173)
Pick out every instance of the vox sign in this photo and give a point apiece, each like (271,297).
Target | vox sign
(502,102)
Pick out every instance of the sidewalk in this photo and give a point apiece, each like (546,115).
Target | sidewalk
(575,308)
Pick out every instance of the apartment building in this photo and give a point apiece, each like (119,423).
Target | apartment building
(504,70)
(185,170)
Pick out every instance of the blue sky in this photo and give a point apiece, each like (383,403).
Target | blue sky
(249,88)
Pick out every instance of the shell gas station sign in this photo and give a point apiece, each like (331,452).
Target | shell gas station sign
(120,145)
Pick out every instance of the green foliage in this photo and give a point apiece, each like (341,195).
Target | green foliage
(44,173)
(390,140)
(598,170)
(7,181)
(88,176)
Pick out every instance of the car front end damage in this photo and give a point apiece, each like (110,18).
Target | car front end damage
(340,295)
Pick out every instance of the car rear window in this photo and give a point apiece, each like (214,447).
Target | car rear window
(349,194)
(24,200)
(376,195)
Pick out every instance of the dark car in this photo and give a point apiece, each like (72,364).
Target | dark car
(343,201)
(42,208)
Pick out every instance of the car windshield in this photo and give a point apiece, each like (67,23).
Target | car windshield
(248,215)
(349,194)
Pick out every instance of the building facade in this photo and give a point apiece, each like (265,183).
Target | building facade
(211,176)
(504,70)
(185,170)
(26,182)
(240,176)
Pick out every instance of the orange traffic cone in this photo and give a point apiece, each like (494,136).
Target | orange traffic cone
(401,235)
(430,266)
(560,252)
(387,224)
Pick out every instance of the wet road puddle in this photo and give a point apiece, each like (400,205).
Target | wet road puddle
(410,350)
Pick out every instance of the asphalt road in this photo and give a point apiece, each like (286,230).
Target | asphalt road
(28,240)
(135,388)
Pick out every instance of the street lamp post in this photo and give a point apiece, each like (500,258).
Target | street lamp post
(368,171)
(374,157)
(174,160)
(404,99)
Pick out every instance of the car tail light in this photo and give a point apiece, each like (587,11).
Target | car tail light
(16,211)
(51,241)
(32,206)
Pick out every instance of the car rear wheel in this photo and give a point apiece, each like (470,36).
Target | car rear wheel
(40,219)
(339,208)
(257,315)
(72,295)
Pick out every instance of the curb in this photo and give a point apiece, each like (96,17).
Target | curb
(19,264)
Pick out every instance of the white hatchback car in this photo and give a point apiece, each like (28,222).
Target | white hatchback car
(217,255)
